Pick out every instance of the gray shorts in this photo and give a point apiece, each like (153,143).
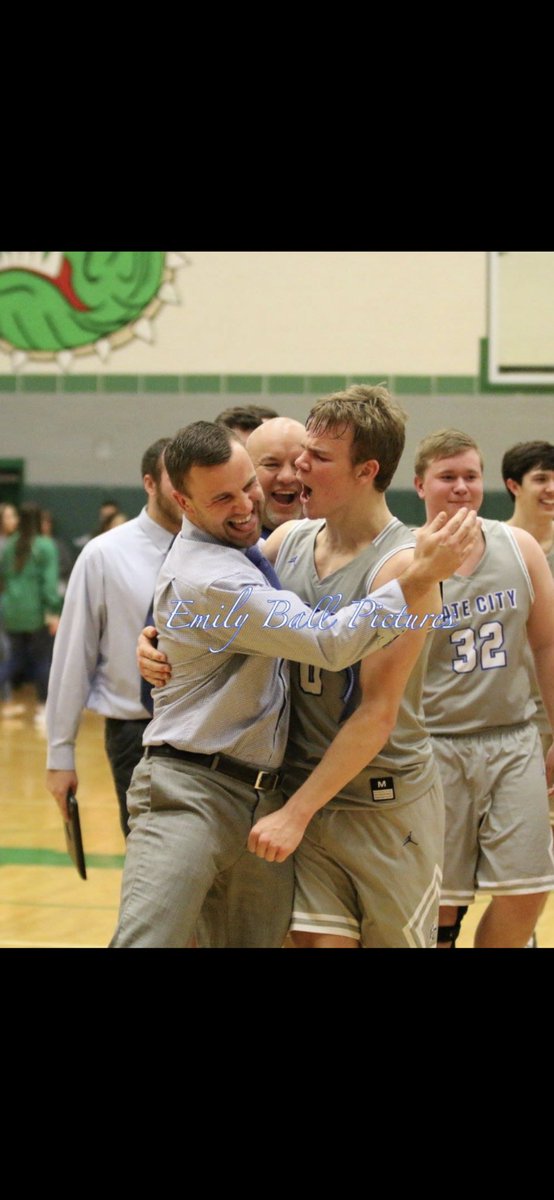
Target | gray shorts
(498,837)
(373,874)
(546,742)
(186,849)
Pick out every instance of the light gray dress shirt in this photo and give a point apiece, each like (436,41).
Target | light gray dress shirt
(226,631)
(94,665)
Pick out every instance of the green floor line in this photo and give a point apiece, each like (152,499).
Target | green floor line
(42,904)
(23,856)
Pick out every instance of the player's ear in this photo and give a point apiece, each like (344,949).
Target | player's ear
(418,484)
(512,486)
(367,470)
(183,501)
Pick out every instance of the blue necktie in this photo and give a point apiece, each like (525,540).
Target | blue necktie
(145,695)
(263,565)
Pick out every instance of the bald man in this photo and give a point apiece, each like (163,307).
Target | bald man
(274,448)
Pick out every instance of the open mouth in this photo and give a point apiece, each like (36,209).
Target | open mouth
(305,494)
(285,499)
(52,266)
(245,525)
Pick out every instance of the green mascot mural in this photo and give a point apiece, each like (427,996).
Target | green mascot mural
(54,304)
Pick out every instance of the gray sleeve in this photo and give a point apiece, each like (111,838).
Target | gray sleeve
(250,619)
(74,661)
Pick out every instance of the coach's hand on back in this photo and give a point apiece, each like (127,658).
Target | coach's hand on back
(152,663)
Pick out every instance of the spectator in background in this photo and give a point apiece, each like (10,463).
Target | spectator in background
(31,603)
(9,520)
(112,521)
(107,509)
(244,418)
(94,665)
(259,410)
(65,555)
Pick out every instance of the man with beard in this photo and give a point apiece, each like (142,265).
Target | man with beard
(94,663)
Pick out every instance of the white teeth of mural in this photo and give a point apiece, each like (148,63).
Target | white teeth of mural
(52,264)
(32,260)
(103,349)
(18,358)
(169,293)
(143,330)
(176,259)
(65,358)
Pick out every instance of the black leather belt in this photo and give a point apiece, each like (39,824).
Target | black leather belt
(262,781)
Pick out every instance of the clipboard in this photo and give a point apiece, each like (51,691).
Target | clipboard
(73,838)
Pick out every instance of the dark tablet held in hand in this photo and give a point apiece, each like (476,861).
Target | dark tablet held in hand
(73,839)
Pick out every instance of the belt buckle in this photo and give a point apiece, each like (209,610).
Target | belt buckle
(271,775)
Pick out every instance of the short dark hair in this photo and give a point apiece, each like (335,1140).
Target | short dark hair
(239,417)
(201,444)
(152,459)
(259,410)
(29,529)
(524,457)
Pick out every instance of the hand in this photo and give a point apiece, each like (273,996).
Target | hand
(60,783)
(52,621)
(152,663)
(276,836)
(549,766)
(442,545)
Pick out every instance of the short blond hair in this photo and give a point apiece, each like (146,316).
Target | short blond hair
(445,443)
(377,422)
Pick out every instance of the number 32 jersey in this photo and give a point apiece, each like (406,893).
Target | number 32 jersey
(477,675)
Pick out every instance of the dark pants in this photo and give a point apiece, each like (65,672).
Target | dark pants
(123,742)
(29,653)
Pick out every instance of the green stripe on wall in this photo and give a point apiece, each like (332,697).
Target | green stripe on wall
(22,856)
(238,385)
(320,384)
(161,383)
(80,383)
(413,385)
(269,385)
(455,385)
(281,385)
(119,383)
(42,383)
(202,383)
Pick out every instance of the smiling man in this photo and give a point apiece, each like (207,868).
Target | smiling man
(479,709)
(528,473)
(274,448)
(215,746)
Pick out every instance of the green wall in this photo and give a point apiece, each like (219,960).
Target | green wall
(75,509)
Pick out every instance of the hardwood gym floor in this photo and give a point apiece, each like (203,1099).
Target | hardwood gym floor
(43,902)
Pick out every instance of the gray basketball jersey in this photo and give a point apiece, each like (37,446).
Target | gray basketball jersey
(540,718)
(478,676)
(322,700)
